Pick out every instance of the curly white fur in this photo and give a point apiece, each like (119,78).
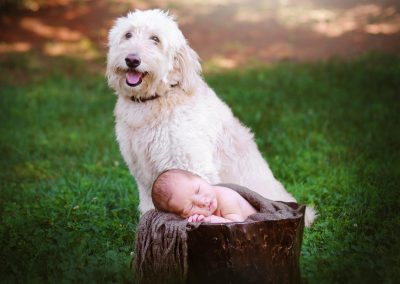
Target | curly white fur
(187,126)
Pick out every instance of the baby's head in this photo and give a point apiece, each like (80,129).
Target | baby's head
(183,193)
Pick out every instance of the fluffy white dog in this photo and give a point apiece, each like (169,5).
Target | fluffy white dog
(168,117)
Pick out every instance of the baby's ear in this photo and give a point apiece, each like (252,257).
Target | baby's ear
(187,68)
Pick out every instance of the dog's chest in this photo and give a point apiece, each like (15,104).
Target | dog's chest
(144,148)
(154,142)
(147,148)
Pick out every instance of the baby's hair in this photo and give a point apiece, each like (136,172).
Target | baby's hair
(161,189)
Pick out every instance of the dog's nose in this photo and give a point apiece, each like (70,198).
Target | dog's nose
(132,60)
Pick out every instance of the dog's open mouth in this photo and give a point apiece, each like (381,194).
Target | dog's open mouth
(134,78)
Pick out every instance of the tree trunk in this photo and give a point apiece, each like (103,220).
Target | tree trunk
(252,252)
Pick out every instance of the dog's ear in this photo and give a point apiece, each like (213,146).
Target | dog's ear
(187,68)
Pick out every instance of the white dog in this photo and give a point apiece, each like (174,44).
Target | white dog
(168,117)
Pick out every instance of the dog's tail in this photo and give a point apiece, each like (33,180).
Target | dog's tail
(310,216)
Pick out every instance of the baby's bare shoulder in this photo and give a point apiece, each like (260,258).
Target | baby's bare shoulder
(234,203)
(230,199)
(229,194)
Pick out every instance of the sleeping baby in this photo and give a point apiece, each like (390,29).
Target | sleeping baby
(188,195)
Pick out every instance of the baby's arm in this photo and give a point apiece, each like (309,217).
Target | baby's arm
(234,217)
(210,219)
(215,219)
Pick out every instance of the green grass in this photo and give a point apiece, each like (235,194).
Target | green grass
(330,131)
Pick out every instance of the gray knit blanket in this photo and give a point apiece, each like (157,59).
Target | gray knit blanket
(161,238)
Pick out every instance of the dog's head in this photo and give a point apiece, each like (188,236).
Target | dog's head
(148,53)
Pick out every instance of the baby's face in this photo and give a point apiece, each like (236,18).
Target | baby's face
(192,196)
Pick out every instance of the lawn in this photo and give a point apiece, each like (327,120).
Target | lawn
(330,131)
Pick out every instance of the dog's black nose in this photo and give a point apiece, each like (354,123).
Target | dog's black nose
(132,60)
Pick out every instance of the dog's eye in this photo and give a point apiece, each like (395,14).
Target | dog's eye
(128,35)
(155,39)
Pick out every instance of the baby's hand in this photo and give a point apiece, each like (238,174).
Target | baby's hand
(208,219)
(196,218)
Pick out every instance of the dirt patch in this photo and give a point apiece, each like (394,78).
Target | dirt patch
(224,33)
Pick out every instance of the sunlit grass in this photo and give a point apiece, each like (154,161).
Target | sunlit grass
(330,132)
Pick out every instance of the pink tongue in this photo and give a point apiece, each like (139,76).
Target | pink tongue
(133,77)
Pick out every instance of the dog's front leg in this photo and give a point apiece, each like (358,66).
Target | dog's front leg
(145,202)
